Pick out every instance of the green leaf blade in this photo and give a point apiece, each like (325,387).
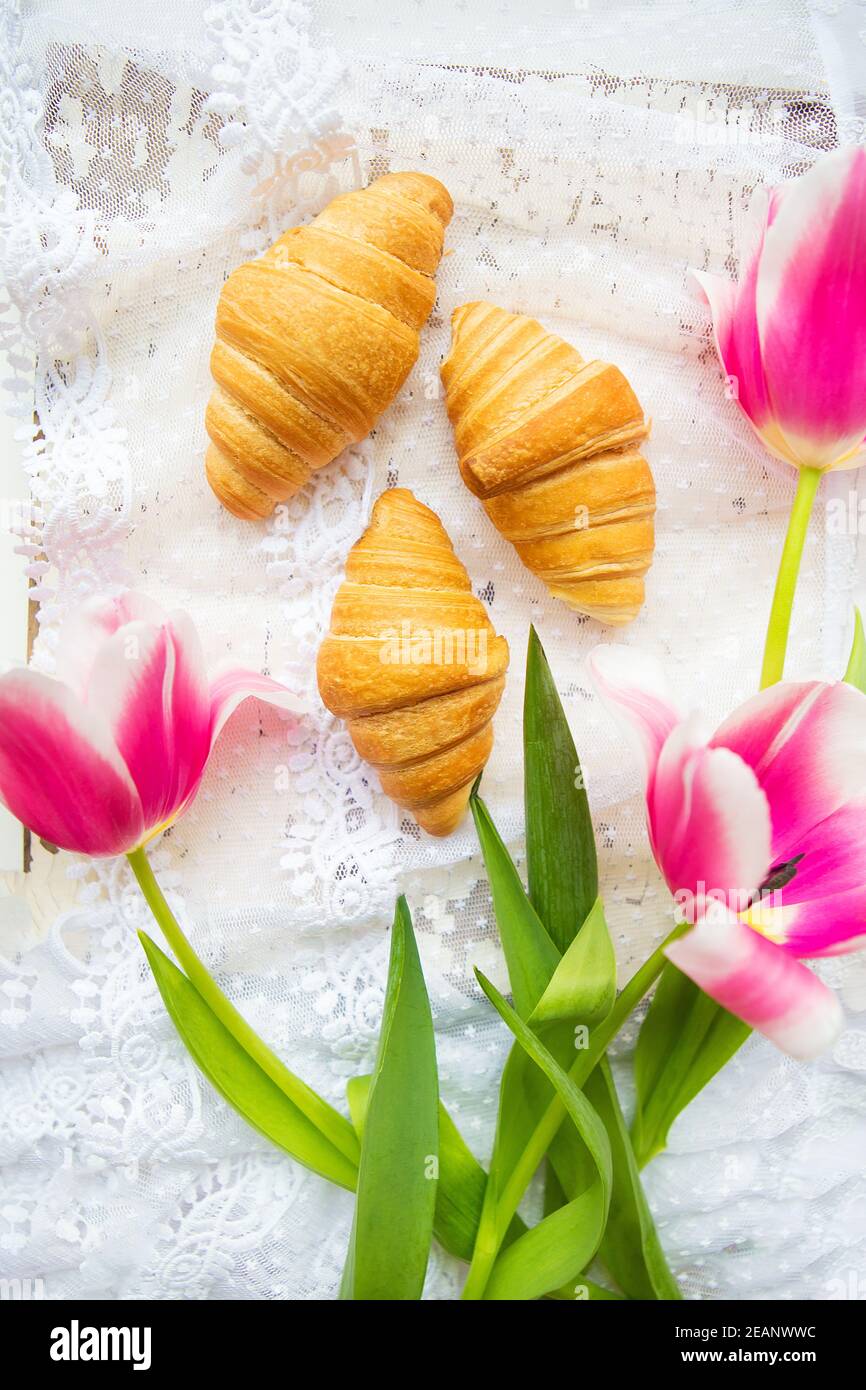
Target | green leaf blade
(462,1180)
(562,865)
(856,673)
(554,993)
(685,1040)
(530,954)
(582,988)
(560,843)
(460,1190)
(560,1246)
(238,1077)
(397,1177)
(551,1253)
(630,1247)
(586,1290)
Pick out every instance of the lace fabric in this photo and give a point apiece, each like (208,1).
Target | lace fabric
(140,167)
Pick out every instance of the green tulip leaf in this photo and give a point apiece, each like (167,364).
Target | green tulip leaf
(562,867)
(560,843)
(630,1248)
(586,1290)
(551,1253)
(557,995)
(462,1180)
(582,988)
(856,672)
(685,1040)
(397,1177)
(530,955)
(572,990)
(241,1081)
(559,1247)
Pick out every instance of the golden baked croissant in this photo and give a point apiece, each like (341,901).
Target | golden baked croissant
(550,445)
(412,662)
(316,337)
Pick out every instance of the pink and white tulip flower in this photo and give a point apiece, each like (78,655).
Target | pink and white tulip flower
(105,756)
(760,829)
(792,333)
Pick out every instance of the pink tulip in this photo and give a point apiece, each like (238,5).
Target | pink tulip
(760,832)
(792,333)
(106,756)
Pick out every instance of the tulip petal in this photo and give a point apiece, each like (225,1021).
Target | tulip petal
(811,311)
(87,627)
(760,983)
(230,687)
(633,687)
(833,855)
(665,798)
(831,926)
(60,772)
(806,743)
(822,909)
(721,295)
(190,711)
(763,722)
(712,837)
(735,329)
(150,684)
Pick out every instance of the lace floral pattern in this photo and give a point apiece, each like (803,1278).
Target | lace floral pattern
(140,171)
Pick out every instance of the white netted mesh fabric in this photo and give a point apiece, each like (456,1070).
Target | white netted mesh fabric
(594,154)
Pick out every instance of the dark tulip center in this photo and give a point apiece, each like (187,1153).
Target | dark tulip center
(779,877)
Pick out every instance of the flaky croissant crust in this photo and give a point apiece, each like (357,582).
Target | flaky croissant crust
(550,444)
(413,663)
(316,337)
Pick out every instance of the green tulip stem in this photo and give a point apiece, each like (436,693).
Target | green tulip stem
(786,581)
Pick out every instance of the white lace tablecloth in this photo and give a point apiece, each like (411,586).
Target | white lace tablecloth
(594,153)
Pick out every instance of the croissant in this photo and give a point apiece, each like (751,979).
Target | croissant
(316,337)
(550,444)
(412,662)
